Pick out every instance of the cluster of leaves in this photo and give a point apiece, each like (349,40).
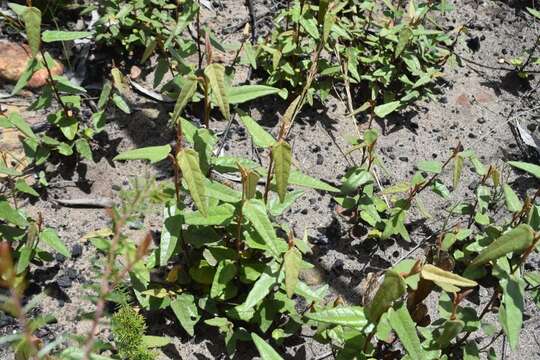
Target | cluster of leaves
(223,262)
(393,56)
(473,246)
(149,25)
(70,129)
(26,236)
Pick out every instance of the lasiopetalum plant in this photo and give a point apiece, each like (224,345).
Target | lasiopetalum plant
(390,54)
(75,133)
(221,259)
(471,248)
(142,24)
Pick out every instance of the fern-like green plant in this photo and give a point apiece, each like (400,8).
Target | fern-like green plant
(128,328)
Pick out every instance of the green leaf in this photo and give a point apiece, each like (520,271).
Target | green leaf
(430,166)
(351,316)
(121,103)
(244,93)
(404,36)
(9,171)
(149,49)
(514,241)
(52,36)
(260,289)
(438,275)
(31,67)
(202,272)
(203,144)
(216,215)
(186,312)
(261,138)
(511,309)
(152,153)
(329,22)
(222,192)
(68,125)
(215,73)
(32,23)
(265,350)
(276,207)
(23,187)
(292,262)
(513,204)
(323,8)
(250,180)
(170,234)
(458,168)
(391,289)
(310,25)
(471,352)
(222,286)
(386,109)
(282,155)
(84,149)
(10,215)
(65,86)
(151,341)
(534,12)
(311,295)
(77,353)
(17,9)
(16,120)
(451,329)
(105,95)
(186,94)
(355,178)
(403,325)
(49,237)
(298,178)
(188,161)
(255,211)
(530,168)
(162,68)
(25,256)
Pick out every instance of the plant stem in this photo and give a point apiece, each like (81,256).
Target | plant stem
(482,182)
(68,114)
(108,281)
(418,190)
(268,178)
(198,27)
(206,117)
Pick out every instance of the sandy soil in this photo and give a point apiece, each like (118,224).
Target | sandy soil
(476,102)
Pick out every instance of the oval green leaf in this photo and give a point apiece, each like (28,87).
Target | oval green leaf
(514,241)
(188,161)
(152,153)
(352,316)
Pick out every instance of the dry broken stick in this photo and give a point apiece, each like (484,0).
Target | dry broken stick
(98,202)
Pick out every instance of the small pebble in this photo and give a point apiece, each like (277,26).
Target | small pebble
(76,251)
(59,257)
(71,273)
(63,281)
